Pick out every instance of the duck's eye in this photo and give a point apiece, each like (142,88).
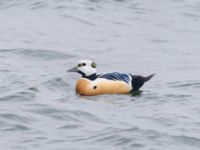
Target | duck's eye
(83,64)
(94,65)
(79,65)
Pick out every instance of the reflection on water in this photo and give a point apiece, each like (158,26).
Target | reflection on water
(40,40)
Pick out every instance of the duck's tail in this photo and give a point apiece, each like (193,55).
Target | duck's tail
(138,81)
(148,77)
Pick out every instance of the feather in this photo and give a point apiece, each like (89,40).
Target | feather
(116,76)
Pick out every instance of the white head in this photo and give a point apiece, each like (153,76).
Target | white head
(85,68)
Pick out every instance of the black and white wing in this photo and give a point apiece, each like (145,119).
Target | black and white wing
(116,76)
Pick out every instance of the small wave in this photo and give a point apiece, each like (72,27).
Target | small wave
(11,117)
(38,5)
(38,53)
(34,89)
(79,19)
(192,15)
(117,137)
(193,84)
(19,96)
(83,115)
(16,127)
(74,116)
(193,141)
(178,96)
(70,126)
(56,84)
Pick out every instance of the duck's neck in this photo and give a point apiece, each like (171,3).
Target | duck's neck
(91,77)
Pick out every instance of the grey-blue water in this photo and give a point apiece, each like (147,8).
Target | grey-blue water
(41,39)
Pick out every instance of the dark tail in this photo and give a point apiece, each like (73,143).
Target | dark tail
(148,77)
(138,81)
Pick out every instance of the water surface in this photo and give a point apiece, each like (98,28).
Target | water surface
(41,39)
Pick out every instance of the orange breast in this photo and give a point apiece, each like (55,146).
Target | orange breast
(101,86)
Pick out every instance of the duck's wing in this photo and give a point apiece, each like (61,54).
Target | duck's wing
(116,76)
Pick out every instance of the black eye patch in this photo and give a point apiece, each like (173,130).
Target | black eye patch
(83,64)
(79,65)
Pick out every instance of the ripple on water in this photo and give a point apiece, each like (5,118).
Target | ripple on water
(188,140)
(63,114)
(38,5)
(16,128)
(15,122)
(129,138)
(187,84)
(56,83)
(38,54)
(16,117)
(18,97)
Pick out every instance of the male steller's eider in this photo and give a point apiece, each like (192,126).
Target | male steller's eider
(91,84)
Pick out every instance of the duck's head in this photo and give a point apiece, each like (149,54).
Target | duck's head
(85,67)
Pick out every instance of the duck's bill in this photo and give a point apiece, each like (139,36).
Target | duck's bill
(73,70)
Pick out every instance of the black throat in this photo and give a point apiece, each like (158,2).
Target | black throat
(91,77)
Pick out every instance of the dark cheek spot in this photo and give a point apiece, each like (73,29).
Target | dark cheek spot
(94,87)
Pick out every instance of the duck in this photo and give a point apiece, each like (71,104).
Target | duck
(92,84)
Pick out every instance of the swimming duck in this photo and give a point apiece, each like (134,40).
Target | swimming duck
(91,84)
